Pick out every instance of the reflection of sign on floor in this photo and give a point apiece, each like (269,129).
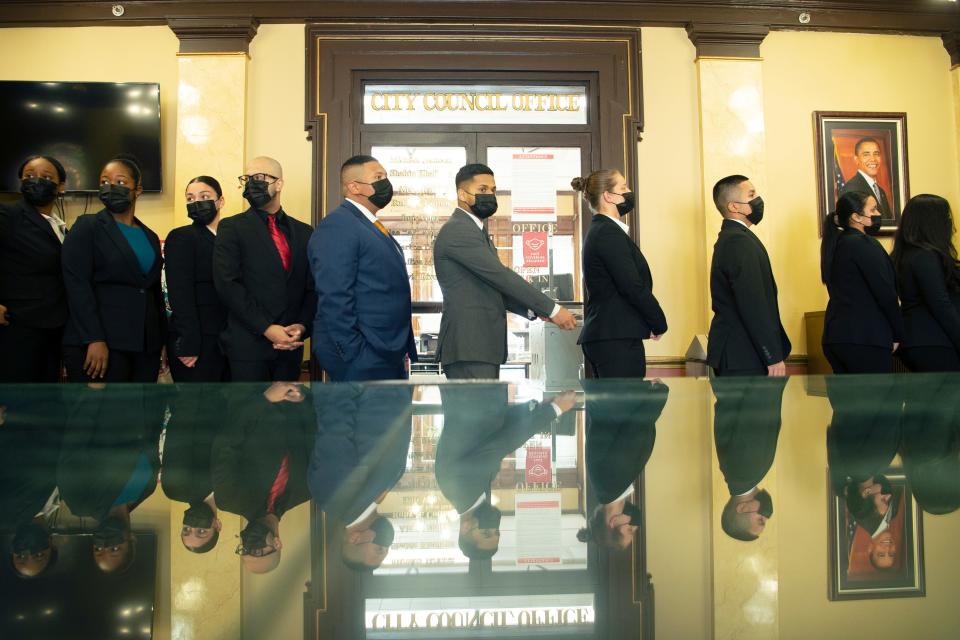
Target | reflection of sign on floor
(538,527)
(538,465)
(535,249)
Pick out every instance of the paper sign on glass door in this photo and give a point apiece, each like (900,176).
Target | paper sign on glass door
(534,194)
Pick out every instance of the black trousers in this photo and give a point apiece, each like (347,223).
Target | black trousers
(734,373)
(471,371)
(616,358)
(931,359)
(30,354)
(211,365)
(858,358)
(283,368)
(122,366)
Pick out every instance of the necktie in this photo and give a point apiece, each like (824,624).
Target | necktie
(279,241)
(279,484)
(876,190)
(382,227)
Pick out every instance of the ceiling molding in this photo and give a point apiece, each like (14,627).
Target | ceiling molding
(727,40)
(214,34)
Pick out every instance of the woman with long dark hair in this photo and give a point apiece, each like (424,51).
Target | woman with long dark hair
(928,274)
(198,315)
(33,301)
(863,325)
(111,266)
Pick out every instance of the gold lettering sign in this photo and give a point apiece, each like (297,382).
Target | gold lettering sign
(479,619)
(437,101)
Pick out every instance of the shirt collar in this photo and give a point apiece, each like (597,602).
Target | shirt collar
(870,181)
(739,222)
(366,212)
(363,516)
(477,220)
(626,494)
(483,496)
(280,215)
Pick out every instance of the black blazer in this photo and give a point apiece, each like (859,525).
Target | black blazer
(196,306)
(252,284)
(863,307)
(859,184)
(620,301)
(746,332)
(31,278)
(110,297)
(930,310)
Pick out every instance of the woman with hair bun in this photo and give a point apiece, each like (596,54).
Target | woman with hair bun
(33,301)
(198,315)
(111,267)
(621,310)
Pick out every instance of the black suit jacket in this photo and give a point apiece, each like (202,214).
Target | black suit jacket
(859,184)
(196,306)
(620,301)
(31,277)
(930,310)
(746,427)
(480,428)
(253,285)
(110,298)
(621,431)
(746,332)
(863,307)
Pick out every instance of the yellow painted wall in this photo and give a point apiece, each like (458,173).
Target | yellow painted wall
(105,54)
(805,72)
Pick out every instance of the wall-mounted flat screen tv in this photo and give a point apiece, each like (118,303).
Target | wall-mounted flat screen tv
(81,124)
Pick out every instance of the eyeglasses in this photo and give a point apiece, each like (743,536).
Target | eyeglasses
(261,177)
(256,553)
(197,531)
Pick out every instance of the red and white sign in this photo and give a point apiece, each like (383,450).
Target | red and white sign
(538,465)
(538,521)
(534,196)
(535,249)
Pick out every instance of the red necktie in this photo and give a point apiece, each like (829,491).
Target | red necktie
(280,241)
(279,484)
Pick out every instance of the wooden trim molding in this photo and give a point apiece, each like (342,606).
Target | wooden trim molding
(727,40)
(951,42)
(214,34)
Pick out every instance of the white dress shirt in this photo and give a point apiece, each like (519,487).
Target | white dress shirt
(363,516)
(366,212)
(59,227)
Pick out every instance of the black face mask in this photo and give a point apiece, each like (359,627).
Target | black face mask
(257,193)
(254,536)
(198,516)
(625,207)
(632,510)
(382,193)
(488,516)
(484,205)
(31,538)
(383,530)
(756,210)
(766,503)
(874,228)
(202,211)
(38,192)
(115,197)
(112,532)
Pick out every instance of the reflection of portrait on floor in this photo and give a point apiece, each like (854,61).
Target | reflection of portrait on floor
(878,554)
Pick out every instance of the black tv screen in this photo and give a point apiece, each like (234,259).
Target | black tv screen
(81,124)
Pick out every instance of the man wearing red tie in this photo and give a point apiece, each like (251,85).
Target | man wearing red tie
(261,273)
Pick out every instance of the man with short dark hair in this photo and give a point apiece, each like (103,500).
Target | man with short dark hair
(869,161)
(477,288)
(363,328)
(746,335)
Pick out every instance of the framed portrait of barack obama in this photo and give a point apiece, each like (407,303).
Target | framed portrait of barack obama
(864,152)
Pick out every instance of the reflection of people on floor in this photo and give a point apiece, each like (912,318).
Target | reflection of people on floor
(621,430)
(862,440)
(931,441)
(359,454)
(29,448)
(480,428)
(109,463)
(196,413)
(746,428)
(259,465)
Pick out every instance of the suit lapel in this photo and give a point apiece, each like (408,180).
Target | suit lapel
(155,243)
(38,220)
(114,233)
(390,241)
(260,229)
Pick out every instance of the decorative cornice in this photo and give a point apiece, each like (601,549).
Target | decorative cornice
(214,34)
(951,41)
(714,40)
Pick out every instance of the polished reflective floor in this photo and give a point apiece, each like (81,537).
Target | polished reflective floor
(807,507)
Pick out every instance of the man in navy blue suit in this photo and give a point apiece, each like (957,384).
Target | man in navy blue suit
(363,328)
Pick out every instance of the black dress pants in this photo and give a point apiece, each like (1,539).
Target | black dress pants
(30,354)
(931,359)
(211,365)
(859,358)
(122,366)
(616,358)
(285,367)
